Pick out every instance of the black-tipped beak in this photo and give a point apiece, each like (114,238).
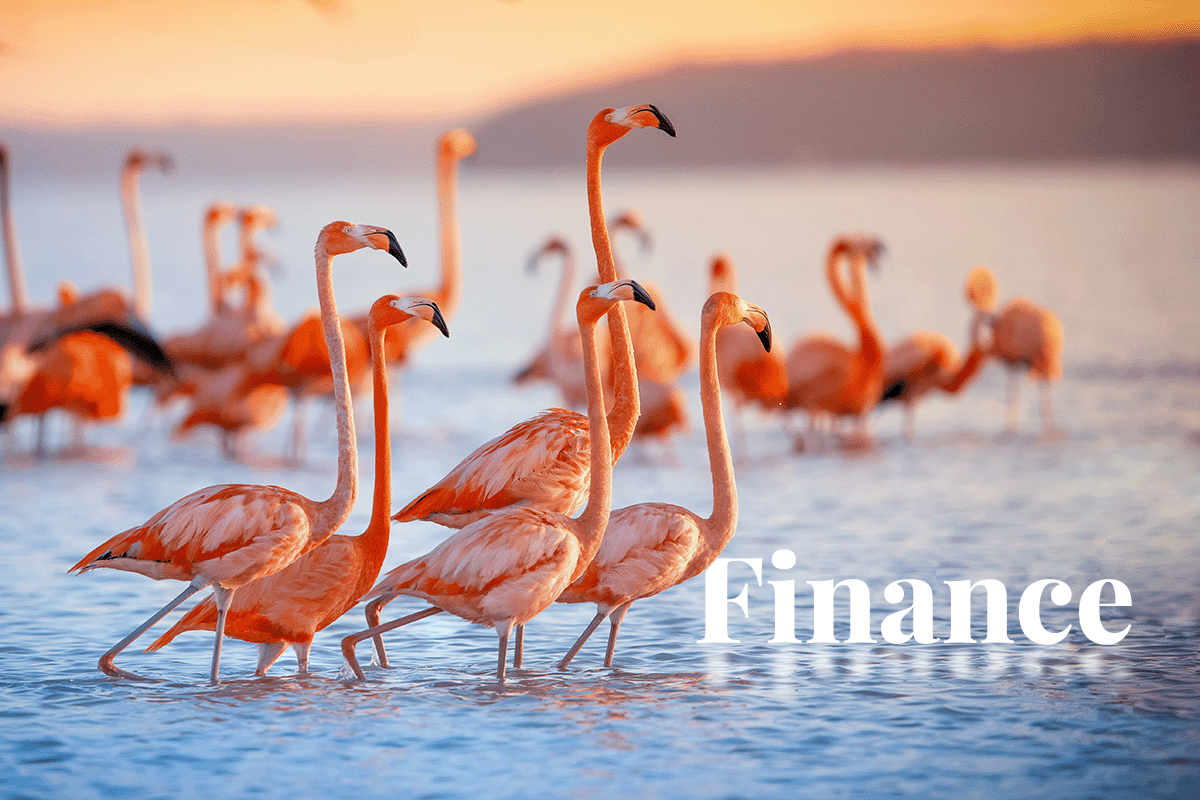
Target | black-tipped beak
(764,336)
(394,248)
(664,124)
(640,295)
(439,321)
(3,406)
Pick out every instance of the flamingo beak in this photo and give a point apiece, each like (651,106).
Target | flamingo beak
(640,295)
(439,321)
(393,246)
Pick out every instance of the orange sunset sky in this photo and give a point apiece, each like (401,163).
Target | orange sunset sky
(72,62)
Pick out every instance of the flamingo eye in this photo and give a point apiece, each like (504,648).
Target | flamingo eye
(346,229)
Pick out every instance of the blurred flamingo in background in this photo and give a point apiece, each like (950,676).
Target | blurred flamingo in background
(510,565)
(1026,336)
(542,462)
(650,547)
(229,535)
(927,360)
(827,378)
(290,606)
(748,372)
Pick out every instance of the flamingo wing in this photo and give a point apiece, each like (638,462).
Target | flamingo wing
(229,534)
(540,462)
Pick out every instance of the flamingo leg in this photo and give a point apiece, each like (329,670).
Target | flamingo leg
(268,653)
(519,647)
(1047,408)
(222,597)
(374,611)
(615,621)
(353,639)
(302,649)
(502,629)
(106,661)
(1012,412)
(910,422)
(583,637)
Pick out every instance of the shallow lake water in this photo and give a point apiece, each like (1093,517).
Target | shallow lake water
(1117,496)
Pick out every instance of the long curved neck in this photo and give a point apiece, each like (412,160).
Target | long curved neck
(855,302)
(593,520)
(626,404)
(566,283)
(139,251)
(971,365)
(375,538)
(16,277)
(723,520)
(451,238)
(212,263)
(337,508)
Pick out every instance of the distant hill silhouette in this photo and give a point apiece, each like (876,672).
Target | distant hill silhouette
(1082,102)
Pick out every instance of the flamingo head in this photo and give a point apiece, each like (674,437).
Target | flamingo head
(613,123)
(726,308)
(722,274)
(219,213)
(138,159)
(258,217)
(456,144)
(632,221)
(555,244)
(345,237)
(595,301)
(392,310)
(981,289)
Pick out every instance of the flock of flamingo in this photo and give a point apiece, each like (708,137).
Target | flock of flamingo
(530,509)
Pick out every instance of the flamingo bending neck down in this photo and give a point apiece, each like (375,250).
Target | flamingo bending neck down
(292,605)
(229,535)
(1029,337)
(509,566)
(651,547)
(927,360)
(825,377)
(542,462)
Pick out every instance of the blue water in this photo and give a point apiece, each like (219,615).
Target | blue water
(1112,250)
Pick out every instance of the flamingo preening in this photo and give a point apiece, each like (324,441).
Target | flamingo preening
(542,462)
(290,606)
(650,547)
(927,360)
(510,565)
(229,535)
(825,377)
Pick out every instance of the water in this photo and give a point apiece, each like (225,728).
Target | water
(1112,250)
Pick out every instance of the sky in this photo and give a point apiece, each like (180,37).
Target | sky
(85,62)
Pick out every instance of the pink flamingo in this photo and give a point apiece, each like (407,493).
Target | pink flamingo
(927,360)
(827,377)
(543,462)
(229,535)
(650,547)
(292,605)
(510,566)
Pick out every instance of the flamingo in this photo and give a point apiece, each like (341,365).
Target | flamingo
(47,360)
(542,462)
(825,376)
(927,360)
(662,348)
(226,536)
(747,372)
(1027,336)
(650,547)
(231,331)
(290,606)
(402,341)
(560,359)
(509,566)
